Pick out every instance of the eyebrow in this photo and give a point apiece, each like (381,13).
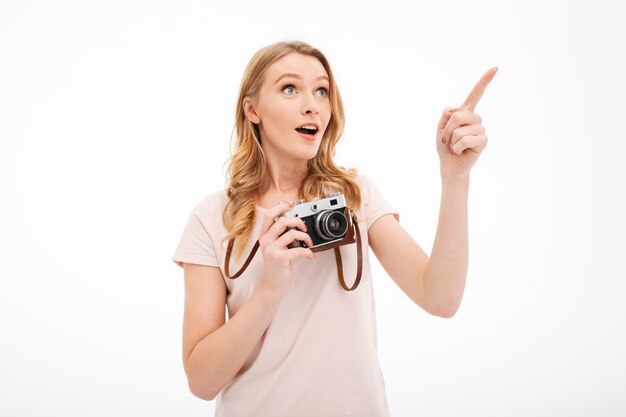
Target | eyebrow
(292,75)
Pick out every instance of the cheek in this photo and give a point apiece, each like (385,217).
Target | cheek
(329,118)
(278,117)
(272,123)
(326,112)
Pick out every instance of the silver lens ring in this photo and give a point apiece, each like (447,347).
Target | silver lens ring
(324,218)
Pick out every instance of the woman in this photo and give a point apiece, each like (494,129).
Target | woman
(296,342)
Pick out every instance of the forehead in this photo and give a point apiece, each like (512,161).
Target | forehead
(304,65)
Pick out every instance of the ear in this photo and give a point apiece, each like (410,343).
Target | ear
(248,108)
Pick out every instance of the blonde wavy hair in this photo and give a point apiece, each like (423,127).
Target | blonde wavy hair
(247,164)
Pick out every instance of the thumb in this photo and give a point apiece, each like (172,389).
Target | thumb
(447,113)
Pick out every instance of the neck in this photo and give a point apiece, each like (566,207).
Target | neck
(282,179)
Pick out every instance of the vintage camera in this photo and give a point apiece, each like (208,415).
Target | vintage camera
(328,222)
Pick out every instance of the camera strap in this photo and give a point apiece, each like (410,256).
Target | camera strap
(359,251)
(359,255)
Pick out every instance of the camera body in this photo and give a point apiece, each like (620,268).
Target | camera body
(328,222)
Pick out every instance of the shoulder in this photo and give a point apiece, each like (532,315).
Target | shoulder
(210,208)
(365,180)
(365,185)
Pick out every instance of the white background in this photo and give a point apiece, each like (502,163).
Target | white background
(115,120)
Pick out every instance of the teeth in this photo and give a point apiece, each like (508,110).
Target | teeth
(308,127)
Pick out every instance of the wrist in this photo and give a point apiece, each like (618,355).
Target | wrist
(455,178)
(270,293)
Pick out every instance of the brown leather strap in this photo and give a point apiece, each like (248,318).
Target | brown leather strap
(231,242)
(359,260)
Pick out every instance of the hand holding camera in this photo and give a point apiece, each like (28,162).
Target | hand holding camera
(274,240)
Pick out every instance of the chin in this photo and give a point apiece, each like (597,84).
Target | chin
(304,156)
(303,150)
(311,153)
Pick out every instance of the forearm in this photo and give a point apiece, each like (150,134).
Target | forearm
(218,357)
(444,279)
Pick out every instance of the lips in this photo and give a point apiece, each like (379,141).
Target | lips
(316,125)
(307,132)
(308,129)
(308,136)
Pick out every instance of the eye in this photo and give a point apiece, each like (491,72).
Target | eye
(288,86)
(292,88)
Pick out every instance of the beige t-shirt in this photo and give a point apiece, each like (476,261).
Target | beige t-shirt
(318,356)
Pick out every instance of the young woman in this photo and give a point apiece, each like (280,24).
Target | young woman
(298,341)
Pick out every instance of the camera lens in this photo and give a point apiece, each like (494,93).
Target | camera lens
(331,224)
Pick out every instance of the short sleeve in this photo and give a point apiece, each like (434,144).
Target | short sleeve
(196,245)
(375,204)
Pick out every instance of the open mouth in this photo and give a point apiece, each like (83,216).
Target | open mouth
(307,131)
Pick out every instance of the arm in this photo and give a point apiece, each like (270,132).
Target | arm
(214,351)
(435,284)
(447,269)
(460,140)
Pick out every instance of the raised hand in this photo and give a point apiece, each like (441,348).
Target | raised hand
(460,135)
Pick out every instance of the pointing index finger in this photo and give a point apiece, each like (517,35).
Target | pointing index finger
(472,99)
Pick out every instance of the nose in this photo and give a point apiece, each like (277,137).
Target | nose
(310,105)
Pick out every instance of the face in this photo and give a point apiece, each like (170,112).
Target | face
(294,94)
